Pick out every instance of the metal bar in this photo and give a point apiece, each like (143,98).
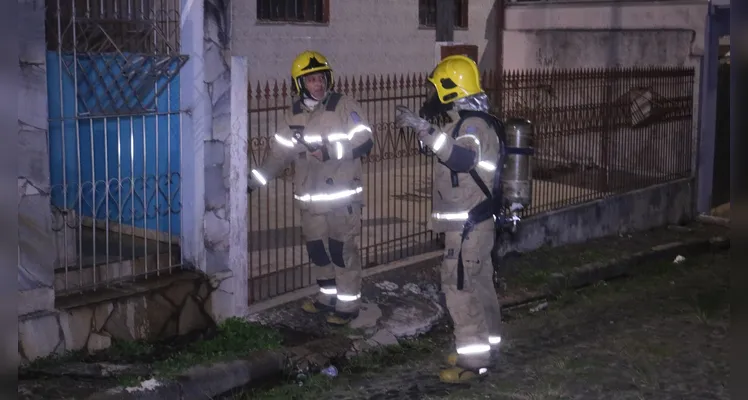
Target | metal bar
(88,116)
(120,205)
(156,171)
(64,160)
(78,158)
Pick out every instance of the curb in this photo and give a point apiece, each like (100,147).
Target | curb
(619,267)
(204,382)
(713,220)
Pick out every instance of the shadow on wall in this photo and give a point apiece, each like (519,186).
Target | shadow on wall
(488,59)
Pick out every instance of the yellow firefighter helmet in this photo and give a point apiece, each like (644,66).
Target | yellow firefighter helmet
(307,63)
(455,77)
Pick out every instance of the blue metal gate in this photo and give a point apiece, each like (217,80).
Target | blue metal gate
(114,138)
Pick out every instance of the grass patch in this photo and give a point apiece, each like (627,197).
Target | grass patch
(54,360)
(711,303)
(531,278)
(232,339)
(533,270)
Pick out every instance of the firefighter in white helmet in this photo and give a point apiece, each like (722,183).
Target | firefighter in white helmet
(468,150)
(326,135)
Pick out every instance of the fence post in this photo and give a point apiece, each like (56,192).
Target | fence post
(194,127)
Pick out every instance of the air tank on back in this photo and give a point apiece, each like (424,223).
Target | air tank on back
(516,177)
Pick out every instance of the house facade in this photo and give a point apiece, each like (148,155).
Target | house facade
(393,36)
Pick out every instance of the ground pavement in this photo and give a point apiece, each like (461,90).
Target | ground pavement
(627,339)
(659,335)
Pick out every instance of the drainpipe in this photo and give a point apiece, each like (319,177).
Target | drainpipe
(499,69)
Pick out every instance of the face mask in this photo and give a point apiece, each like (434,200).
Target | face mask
(432,107)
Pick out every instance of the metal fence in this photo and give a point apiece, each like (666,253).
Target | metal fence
(599,132)
(114,139)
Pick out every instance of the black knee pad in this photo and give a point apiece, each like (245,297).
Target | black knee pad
(317,253)
(336,252)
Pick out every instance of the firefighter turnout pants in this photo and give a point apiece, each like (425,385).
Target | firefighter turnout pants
(474,307)
(332,242)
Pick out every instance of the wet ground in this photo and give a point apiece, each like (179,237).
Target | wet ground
(645,338)
(661,335)
(520,274)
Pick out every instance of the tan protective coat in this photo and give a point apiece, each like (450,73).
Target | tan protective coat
(329,193)
(475,308)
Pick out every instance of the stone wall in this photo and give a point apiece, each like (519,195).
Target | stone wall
(35,239)
(222,131)
(155,310)
(214,152)
(640,210)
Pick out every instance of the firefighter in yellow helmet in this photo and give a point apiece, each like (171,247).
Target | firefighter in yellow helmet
(326,135)
(468,151)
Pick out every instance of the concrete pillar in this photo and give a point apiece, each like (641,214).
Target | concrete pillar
(35,237)
(214,154)
(708,109)
(38,332)
(718,24)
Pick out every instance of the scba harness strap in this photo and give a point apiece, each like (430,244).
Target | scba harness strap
(488,207)
(492,206)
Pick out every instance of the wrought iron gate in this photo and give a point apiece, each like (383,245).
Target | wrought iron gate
(114,138)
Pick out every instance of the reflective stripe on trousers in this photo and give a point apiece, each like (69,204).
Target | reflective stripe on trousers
(332,243)
(479,348)
(331,291)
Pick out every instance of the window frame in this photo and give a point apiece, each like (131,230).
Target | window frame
(325,16)
(460,5)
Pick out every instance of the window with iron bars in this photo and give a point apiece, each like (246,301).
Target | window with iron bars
(427,13)
(296,11)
